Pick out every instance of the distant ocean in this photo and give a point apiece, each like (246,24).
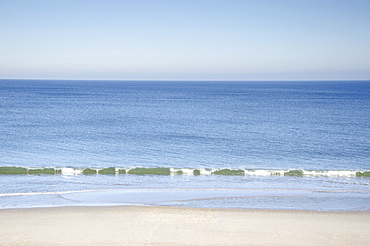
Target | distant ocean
(222,144)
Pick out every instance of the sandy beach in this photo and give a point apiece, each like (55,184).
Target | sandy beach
(180,226)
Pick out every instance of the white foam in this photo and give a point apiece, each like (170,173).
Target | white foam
(48,193)
(187,171)
(341,173)
(333,173)
(173,171)
(263,172)
(205,171)
(184,171)
(70,171)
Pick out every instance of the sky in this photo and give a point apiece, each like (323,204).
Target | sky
(185,39)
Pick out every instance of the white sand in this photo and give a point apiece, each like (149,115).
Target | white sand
(180,226)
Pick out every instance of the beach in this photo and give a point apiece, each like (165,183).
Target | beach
(138,225)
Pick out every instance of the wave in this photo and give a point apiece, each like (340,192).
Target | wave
(16,170)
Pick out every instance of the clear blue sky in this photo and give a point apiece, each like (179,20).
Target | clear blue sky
(185,39)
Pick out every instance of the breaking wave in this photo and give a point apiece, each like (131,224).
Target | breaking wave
(16,170)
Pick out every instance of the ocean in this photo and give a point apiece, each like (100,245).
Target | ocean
(210,144)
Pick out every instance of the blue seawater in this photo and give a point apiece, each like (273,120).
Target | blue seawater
(263,144)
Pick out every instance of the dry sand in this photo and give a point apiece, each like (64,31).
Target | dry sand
(180,226)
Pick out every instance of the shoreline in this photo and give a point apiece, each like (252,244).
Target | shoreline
(161,225)
(139,206)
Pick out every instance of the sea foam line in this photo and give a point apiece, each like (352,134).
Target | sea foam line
(119,191)
(50,193)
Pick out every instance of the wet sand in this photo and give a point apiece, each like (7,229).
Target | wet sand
(180,226)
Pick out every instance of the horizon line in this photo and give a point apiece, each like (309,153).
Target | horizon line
(235,80)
